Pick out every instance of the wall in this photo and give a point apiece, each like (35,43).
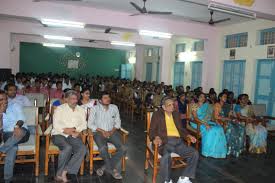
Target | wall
(197,56)
(34,57)
(251,53)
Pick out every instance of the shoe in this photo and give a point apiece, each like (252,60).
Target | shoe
(100,171)
(184,180)
(168,182)
(116,175)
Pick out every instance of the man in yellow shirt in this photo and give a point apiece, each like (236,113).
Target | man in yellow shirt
(167,132)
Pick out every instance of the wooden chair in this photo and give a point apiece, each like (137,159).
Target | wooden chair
(52,150)
(28,152)
(50,110)
(39,100)
(94,152)
(152,157)
(260,111)
(195,132)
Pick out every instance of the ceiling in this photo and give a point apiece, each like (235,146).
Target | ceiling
(182,9)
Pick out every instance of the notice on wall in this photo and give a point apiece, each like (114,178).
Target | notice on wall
(73,64)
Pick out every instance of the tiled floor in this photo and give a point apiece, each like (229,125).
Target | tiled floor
(246,169)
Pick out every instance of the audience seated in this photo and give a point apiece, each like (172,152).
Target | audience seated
(104,121)
(235,131)
(68,123)
(213,137)
(223,121)
(254,129)
(14,131)
(166,131)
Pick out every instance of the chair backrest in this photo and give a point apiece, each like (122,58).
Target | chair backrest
(259,109)
(31,115)
(37,99)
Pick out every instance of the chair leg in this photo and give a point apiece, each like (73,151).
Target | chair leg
(155,173)
(91,164)
(82,168)
(147,156)
(46,171)
(123,164)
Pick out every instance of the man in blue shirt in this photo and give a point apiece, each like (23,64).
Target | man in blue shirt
(13,130)
(11,90)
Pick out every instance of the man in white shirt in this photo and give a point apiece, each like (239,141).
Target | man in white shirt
(22,100)
(69,120)
(104,120)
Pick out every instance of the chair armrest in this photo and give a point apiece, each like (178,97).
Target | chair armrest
(269,117)
(123,131)
(90,133)
(47,118)
(48,130)
(39,130)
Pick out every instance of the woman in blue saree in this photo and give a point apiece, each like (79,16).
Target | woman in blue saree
(256,132)
(235,131)
(213,137)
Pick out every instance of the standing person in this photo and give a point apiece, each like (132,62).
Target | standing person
(166,131)
(104,121)
(14,132)
(68,122)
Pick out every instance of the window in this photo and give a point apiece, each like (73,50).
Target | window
(236,40)
(126,71)
(196,74)
(198,46)
(148,72)
(178,73)
(180,48)
(267,36)
(233,76)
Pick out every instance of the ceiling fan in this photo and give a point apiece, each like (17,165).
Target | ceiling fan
(143,10)
(211,21)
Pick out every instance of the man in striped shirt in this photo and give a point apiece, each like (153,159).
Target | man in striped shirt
(104,121)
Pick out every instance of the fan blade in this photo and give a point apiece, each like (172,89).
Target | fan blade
(136,14)
(137,7)
(222,20)
(160,12)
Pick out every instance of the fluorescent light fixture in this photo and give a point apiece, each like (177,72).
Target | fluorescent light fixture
(54,45)
(58,37)
(231,10)
(155,34)
(120,43)
(62,23)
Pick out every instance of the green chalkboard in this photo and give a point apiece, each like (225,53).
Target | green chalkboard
(34,57)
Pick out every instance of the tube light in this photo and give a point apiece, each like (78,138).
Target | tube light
(62,23)
(54,45)
(231,10)
(58,37)
(120,43)
(155,34)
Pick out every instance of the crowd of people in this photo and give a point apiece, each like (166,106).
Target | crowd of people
(224,121)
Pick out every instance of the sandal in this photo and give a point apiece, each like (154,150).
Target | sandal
(116,175)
